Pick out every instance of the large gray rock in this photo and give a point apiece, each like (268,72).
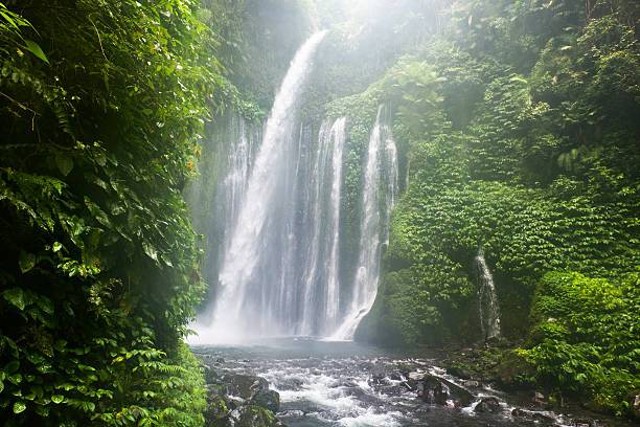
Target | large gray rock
(439,391)
(217,410)
(253,416)
(244,386)
(488,405)
(268,399)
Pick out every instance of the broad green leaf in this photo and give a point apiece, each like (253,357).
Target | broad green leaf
(15,297)
(1,386)
(35,48)
(19,407)
(64,163)
(12,367)
(57,246)
(57,398)
(26,261)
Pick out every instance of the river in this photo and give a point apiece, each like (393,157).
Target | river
(345,384)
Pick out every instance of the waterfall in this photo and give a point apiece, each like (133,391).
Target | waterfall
(487,299)
(378,196)
(275,244)
(338,133)
(236,141)
(321,282)
(259,275)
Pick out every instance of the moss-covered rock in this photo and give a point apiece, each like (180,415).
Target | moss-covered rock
(253,416)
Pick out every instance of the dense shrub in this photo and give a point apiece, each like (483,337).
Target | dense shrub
(585,337)
(101,107)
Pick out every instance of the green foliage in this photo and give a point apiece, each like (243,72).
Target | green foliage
(520,137)
(585,337)
(99,268)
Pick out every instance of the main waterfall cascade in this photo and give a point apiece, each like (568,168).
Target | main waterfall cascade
(279,272)
(487,299)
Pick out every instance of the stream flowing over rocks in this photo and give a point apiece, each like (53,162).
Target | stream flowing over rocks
(309,383)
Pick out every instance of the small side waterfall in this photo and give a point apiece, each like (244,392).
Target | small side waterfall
(378,196)
(487,299)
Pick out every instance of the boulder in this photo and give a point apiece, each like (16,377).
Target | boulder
(268,399)
(539,400)
(584,423)
(216,411)
(211,376)
(471,383)
(253,416)
(439,391)
(488,405)
(536,416)
(244,386)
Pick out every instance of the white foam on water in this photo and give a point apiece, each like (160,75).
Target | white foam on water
(371,418)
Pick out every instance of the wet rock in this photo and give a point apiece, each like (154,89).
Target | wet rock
(539,400)
(435,390)
(216,389)
(235,401)
(211,376)
(460,370)
(544,416)
(488,405)
(253,416)
(293,384)
(539,416)
(471,383)
(354,391)
(416,376)
(292,413)
(396,389)
(268,399)
(584,423)
(244,386)
(217,409)
(519,413)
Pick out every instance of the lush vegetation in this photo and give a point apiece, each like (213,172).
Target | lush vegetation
(102,106)
(585,339)
(520,123)
(517,122)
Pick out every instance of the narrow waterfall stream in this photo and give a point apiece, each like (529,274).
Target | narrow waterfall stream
(488,307)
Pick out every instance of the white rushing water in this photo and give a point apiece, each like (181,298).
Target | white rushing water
(321,282)
(277,261)
(255,285)
(487,299)
(381,171)
(346,384)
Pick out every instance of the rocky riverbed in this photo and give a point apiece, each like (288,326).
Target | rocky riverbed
(310,383)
